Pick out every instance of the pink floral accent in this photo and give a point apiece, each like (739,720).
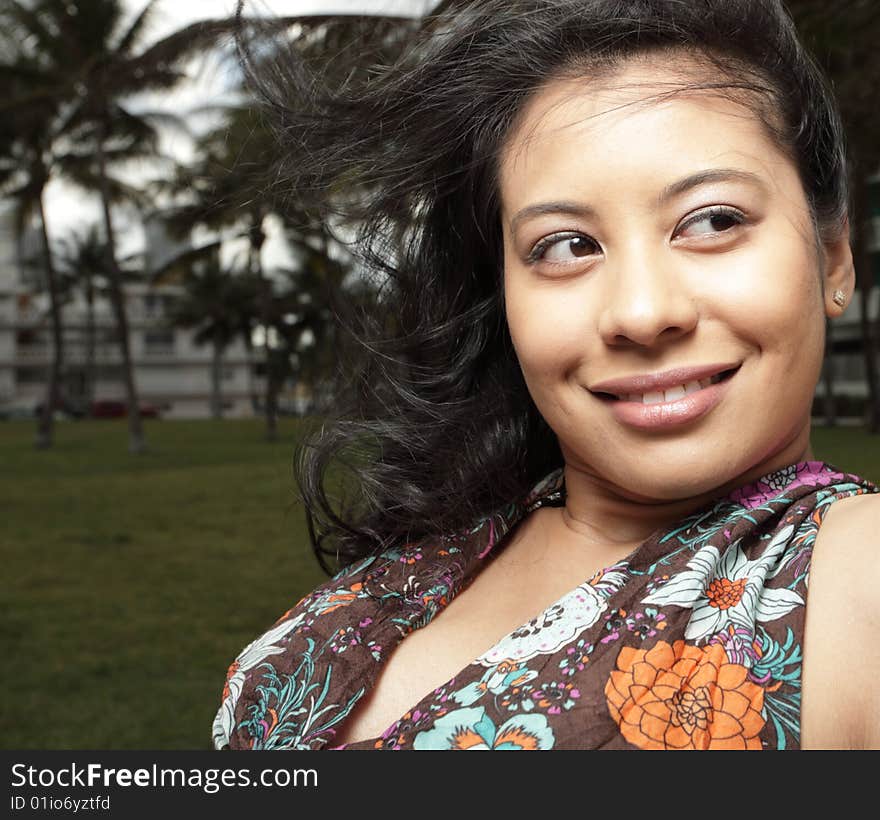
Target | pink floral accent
(802,474)
(739,645)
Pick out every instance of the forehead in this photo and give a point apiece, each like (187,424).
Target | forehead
(647,121)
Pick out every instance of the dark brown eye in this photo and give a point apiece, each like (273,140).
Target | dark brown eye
(581,246)
(567,248)
(721,222)
(717,220)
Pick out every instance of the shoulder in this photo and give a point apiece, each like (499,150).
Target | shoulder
(850,538)
(841,652)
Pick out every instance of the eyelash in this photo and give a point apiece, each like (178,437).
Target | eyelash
(716,210)
(540,247)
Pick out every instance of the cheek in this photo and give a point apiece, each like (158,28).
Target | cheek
(549,327)
(772,299)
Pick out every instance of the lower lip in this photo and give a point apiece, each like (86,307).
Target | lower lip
(670,413)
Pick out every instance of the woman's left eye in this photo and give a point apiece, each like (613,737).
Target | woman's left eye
(712,221)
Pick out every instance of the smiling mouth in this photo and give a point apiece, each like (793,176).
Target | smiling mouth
(670,394)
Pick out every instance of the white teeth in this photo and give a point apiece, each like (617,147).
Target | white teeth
(675,393)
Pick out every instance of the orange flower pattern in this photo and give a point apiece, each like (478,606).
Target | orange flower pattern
(694,641)
(681,696)
(724,593)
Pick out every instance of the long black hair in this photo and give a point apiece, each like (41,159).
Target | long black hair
(437,428)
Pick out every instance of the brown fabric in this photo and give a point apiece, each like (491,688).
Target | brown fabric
(694,641)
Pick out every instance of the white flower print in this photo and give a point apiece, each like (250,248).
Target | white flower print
(556,626)
(729,589)
(254,653)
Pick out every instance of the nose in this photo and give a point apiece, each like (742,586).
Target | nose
(645,301)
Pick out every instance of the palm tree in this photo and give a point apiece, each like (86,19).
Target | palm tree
(226,192)
(81,263)
(82,267)
(82,61)
(217,304)
(232,188)
(26,159)
(298,317)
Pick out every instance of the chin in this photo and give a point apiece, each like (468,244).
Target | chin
(672,488)
(670,481)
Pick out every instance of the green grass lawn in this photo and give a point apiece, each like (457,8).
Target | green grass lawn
(133,581)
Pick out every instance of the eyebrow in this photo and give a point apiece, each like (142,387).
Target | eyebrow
(671,191)
(708,177)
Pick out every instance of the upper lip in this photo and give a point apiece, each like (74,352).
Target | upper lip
(657,382)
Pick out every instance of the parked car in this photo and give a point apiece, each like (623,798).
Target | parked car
(108,409)
(114,409)
(64,408)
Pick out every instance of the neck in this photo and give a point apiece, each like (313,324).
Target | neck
(600,512)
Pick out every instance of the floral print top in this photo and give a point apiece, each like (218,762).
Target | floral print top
(692,642)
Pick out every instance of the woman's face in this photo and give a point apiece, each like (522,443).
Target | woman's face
(642,237)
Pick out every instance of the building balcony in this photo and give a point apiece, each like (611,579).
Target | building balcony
(159,352)
(104,354)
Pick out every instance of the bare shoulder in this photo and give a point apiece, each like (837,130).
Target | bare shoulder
(851,530)
(841,697)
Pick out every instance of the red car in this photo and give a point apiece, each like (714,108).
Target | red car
(113,409)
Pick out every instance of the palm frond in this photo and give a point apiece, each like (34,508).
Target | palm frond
(129,40)
(176,269)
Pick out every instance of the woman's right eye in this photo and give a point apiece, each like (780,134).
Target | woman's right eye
(563,248)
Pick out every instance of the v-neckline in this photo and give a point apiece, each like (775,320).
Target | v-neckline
(548,492)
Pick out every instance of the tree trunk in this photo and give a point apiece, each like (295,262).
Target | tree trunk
(828,371)
(216,376)
(249,358)
(272,389)
(90,344)
(865,284)
(271,393)
(45,422)
(136,443)
(270,398)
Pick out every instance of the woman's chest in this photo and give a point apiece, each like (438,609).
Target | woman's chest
(698,639)
(490,640)
(702,652)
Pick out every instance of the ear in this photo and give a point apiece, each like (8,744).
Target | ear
(839,276)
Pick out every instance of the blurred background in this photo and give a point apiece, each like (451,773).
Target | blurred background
(166,334)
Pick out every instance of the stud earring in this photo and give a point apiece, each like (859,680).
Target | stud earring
(839,298)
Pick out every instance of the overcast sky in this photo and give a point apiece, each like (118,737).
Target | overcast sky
(174,13)
(69,210)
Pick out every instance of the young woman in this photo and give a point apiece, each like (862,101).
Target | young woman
(590,516)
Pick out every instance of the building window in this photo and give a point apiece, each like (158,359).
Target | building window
(28,336)
(31,375)
(110,373)
(851,368)
(159,341)
(108,335)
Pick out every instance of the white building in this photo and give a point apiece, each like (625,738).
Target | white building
(171,371)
